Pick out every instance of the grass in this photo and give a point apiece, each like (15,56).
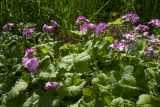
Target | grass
(66,11)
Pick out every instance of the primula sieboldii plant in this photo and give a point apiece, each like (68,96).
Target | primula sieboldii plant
(29,62)
(101,65)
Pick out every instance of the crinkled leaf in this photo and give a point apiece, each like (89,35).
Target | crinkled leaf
(48,76)
(128,69)
(74,90)
(146,100)
(76,62)
(31,101)
(129,79)
(120,102)
(19,86)
(109,38)
(118,21)
(80,33)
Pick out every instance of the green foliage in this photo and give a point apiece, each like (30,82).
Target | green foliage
(88,72)
(120,102)
(148,101)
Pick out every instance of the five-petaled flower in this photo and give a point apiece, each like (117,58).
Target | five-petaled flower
(130,17)
(29,62)
(28,31)
(8,26)
(51,85)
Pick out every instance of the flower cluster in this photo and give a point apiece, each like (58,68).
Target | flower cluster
(98,29)
(54,24)
(50,28)
(51,85)
(153,41)
(118,45)
(29,62)
(150,52)
(130,37)
(8,26)
(87,26)
(130,17)
(155,22)
(28,31)
(141,27)
(101,28)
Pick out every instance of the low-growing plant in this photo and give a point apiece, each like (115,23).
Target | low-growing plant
(113,64)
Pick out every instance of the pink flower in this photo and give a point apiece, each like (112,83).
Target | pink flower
(28,31)
(155,22)
(29,52)
(31,63)
(85,27)
(119,45)
(101,28)
(130,37)
(47,28)
(81,19)
(51,85)
(8,26)
(130,17)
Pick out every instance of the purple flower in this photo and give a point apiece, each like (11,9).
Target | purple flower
(28,31)
(141,27)
(25,62)
(152,40)
(101,28)
(150,52)
(155,22)
(145,33)
(54,24)
(119,45)
(29,52)
(85,27)
(30,63)
(81,19)
(130,17)
(47,28)
(51,85)
(130,37)
(8,26)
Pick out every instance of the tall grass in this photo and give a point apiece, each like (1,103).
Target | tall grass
(148,9)
(66,11)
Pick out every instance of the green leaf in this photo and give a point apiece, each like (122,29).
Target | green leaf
(80,33)
(130,91)
(17,67)
(120,102)
(129,79)
(128,69)
(31,101)
(110,39)
(48,76)
(20,86)
(45,49)
(74,90)
(2,60)
(119,21)
(146,100)
(83,57)
(87,91)
(75,62)
(47,57)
